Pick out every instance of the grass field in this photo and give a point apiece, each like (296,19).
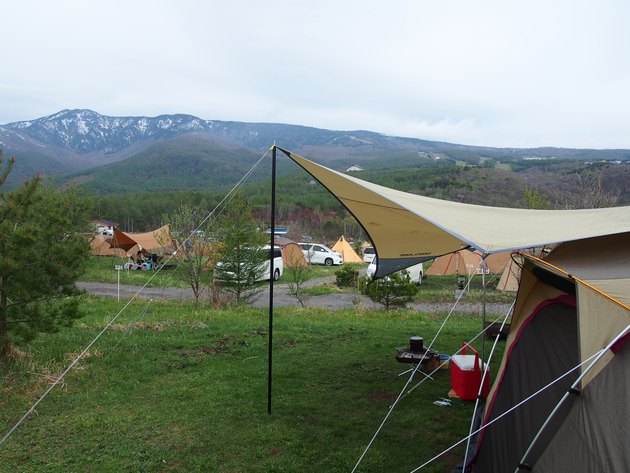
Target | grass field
(186,390)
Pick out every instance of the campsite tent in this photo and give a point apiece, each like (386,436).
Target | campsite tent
(468,262)
(152,241)
(292,255)
(570,306)
(511,275)
(132,242)
(345,250)
(101,247)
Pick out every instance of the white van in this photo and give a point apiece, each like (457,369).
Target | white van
(263,274)
(416,272)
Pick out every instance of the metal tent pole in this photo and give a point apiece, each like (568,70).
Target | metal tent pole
(271,271)
(483,327)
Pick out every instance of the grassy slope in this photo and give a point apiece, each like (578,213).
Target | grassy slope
(187,391)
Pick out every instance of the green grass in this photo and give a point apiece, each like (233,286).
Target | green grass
(186,390)
(103,269)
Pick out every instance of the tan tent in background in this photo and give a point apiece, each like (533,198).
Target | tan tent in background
(469,263)
(101,247)
(345,250)
(459,262)
(511,275)
(292,254)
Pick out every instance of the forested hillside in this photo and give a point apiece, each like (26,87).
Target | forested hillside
(309,209)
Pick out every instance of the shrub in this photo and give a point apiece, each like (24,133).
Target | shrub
(347,276)
(392,291)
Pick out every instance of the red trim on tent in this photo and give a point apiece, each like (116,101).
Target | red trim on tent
(620,343)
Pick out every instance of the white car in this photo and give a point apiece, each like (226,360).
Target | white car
(264,274)
(320,254)
(369,253)
(415,272)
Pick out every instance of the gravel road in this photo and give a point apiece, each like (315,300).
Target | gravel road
(281,298)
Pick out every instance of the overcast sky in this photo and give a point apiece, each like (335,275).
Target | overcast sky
(477,72)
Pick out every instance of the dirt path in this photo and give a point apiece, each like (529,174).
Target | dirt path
(282,299)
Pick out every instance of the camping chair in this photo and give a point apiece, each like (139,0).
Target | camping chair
(156,262)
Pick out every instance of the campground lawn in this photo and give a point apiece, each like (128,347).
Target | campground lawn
(186,390)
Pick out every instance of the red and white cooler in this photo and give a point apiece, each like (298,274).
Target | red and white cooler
(466,375)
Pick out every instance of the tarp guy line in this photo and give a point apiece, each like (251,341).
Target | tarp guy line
(238,185)
(131,325)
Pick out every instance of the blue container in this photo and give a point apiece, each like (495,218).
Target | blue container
(445,361)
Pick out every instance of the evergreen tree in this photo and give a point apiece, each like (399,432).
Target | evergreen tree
(44,246)
(242,257)
(394,290)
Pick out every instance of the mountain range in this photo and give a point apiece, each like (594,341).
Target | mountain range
(144,154)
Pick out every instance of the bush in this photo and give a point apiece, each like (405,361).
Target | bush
(392,291)
(347,276)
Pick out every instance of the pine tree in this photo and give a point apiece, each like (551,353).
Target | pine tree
(44,246)
(241,254)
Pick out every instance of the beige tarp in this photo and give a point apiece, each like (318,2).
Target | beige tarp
(122,243)
(101,247)
(407,228)
(151,241)
(345,250)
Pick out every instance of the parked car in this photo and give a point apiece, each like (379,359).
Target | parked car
(320,254)
(416,272)
(369,253)
(263,273)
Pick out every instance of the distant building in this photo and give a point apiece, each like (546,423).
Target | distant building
(104,227)
(354,167)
